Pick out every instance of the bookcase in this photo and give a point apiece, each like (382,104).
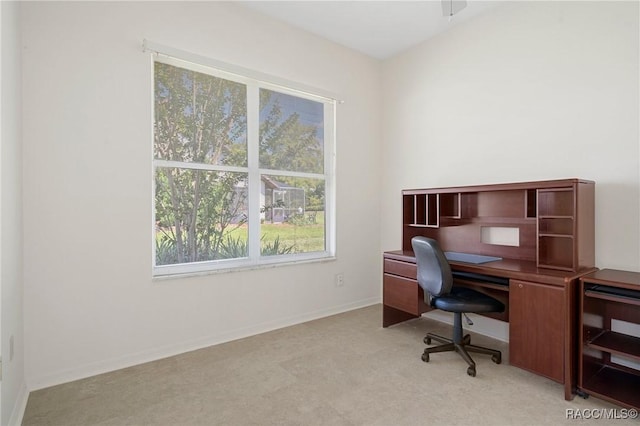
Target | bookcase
(610,336)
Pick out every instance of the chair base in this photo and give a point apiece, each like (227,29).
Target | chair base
(461,345)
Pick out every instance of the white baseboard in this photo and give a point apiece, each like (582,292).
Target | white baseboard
(105,366)
(18,409)
(482,325)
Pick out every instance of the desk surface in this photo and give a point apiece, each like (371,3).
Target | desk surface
(624,279)
(507,268)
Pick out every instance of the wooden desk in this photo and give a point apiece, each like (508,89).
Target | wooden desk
(550,245)
(541,308)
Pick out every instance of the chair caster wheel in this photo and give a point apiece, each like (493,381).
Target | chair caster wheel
(582,394)
(471,371)
(425,357)
(427,340)
(496,358)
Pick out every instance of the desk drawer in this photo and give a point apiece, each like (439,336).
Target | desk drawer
(404,269)
(404,294)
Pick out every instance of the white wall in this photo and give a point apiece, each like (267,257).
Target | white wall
(526,91)
(90,302)
(13,377)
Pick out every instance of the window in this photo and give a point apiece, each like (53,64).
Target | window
(243,171)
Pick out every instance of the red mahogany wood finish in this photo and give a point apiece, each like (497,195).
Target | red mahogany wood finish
(555,225)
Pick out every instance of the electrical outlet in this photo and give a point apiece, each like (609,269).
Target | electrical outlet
(340,280)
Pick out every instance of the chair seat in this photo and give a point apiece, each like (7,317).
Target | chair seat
(463,299)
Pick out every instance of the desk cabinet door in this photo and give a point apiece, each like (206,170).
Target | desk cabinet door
(402,293)
(536,328)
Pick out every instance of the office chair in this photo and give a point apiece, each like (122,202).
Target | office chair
(435,278)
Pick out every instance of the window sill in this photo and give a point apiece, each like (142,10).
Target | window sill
(244,268)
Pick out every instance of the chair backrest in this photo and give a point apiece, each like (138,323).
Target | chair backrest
(434,272)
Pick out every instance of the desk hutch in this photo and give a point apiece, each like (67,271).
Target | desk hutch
(553,226)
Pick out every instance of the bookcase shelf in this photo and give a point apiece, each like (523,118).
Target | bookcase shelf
(614,385)
(617,343)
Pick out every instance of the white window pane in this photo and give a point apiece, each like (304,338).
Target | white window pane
(293,215)
(199,118)
(200,215)
(291,133)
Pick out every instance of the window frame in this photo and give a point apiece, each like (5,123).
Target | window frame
(253,82)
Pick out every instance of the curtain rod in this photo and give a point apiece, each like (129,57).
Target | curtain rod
(158,49)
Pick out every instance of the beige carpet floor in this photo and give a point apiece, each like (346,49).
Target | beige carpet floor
(340,370)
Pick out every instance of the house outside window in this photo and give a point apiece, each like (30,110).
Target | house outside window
(243,171)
